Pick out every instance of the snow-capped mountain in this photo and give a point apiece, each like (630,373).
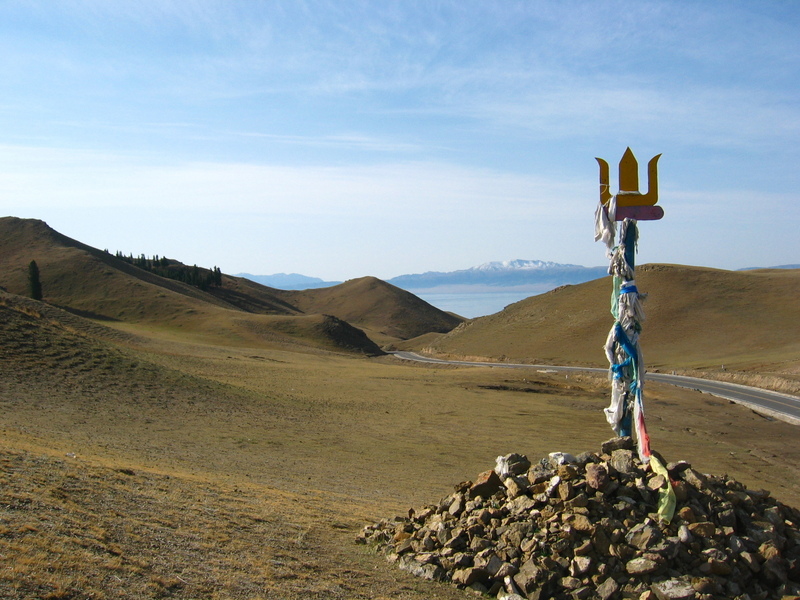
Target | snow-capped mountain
(535,275)
(508,265)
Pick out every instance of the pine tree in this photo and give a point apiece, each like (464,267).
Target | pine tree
(34,283)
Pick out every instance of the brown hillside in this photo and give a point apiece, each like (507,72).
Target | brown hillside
(96,284)
(93,283)
(90,281)
(696,318)
(252,297)
(46,347)
(380,308)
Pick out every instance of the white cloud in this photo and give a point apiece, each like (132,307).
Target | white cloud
(45,177)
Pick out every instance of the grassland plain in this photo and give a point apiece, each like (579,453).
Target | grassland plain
(137,463)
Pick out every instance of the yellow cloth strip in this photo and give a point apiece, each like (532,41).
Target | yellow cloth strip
(666,495)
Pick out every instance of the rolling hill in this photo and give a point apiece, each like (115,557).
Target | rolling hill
(99,285)
(696,318)
(384,310)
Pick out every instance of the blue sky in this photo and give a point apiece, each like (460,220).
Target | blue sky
(345,138)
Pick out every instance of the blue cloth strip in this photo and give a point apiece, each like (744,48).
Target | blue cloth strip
(626,344)
(617,369)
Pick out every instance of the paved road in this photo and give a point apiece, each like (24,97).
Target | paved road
(779,406)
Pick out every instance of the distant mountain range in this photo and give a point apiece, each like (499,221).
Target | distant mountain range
(532,275)
(289,281)
(775,267)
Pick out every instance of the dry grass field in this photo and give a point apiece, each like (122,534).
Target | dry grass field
(184,447)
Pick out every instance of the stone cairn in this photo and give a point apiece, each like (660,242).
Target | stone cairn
(587,528)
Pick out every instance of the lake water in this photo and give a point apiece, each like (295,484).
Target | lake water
(471,305)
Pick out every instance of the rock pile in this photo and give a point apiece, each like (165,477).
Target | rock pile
(586,528)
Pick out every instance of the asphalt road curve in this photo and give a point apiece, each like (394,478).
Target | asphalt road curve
(774,404)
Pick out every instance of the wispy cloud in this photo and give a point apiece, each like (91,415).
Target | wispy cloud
(343,141)
(430,190)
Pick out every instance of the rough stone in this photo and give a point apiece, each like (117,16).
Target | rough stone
(490,563)
(617,443)
(565,490)
(643,536)
(704,585)
(486,485)
(578,522)
(469,576)
(405,545)
(685,513)
(567,472)
(703,529)
(607,589)
(751,561)
(511,465)
(657,482)
(514,487)
(596,476)
(425,571)
(684,535)
(570,583)
(581,565)
(522,504)
(561,458)
(506,569)
(622,460)
(457,506)
(527,577)
(641,566)
(583,593)
(694,478)
(673,589)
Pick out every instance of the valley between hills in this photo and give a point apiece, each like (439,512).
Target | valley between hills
(161,440)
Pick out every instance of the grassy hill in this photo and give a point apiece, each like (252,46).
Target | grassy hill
(696,318)
(385,311)
(97,284)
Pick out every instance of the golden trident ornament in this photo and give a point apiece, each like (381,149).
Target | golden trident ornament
(630,202)
(625,413)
